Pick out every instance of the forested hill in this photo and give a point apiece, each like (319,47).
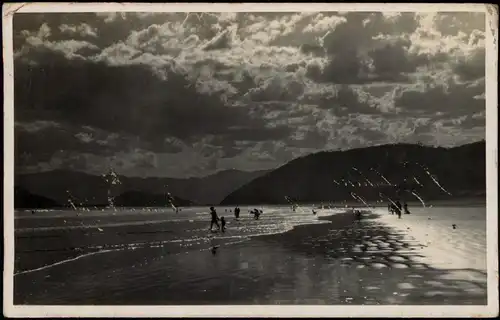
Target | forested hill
(372,173)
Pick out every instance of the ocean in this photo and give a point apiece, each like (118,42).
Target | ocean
(154,256)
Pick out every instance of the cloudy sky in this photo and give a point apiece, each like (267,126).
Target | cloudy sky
(177,94)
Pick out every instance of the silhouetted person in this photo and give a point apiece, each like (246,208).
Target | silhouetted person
(236,212)
(256,214)
(314,212)
(405,206)
(389,208)
(223,224)
(215,218)
(214,250)
(358,214)
(398,209)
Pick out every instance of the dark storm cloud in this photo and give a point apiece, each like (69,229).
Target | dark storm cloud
(40,140)
(472,68)
(45,142)
(444,101)
(352,43)
(124,99)
(259,87)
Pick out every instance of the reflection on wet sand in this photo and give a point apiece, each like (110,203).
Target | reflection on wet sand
(346,261)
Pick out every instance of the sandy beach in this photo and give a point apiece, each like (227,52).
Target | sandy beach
(337,259)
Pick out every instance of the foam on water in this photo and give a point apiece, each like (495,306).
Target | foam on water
(61,262)
(144,228)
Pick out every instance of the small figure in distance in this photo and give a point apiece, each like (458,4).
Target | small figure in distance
(214,250)
(398,209)
(256,214)
(237,212)
(405,207)
(223,224)
(215,218)
(358,214)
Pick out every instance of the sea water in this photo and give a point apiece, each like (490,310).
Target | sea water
(157,256)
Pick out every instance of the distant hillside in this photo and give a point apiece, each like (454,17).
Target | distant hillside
(93,190)
(318,177)
(142,199)
(27,200)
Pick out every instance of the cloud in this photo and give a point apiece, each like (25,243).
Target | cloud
(324,23)
(443,100)
(189,93)
(40,140)
(471,67)
(220,41)
(83,30)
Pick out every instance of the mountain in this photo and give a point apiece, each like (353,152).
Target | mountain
(92,190)
(425,171)
(142,199)
(27,200)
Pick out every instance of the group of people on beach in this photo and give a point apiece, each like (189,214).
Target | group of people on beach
(222,227)
(397,208)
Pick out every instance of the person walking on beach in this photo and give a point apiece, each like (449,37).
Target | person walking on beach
(405,206)
(398,209)
(215,218)
(237,212)
(223,224)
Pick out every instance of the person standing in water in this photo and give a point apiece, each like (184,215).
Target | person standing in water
(256,214)
(223,224)
(236,212)
(215,218)
(398,209)
(405,207)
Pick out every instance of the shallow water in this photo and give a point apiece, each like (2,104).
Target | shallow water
(150,257)
(63,232)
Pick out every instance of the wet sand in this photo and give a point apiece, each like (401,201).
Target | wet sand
(342,262)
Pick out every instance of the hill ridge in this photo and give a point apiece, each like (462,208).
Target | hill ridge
(314,177)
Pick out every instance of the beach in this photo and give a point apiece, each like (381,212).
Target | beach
(153,256)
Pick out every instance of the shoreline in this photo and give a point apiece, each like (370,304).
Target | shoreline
(345,261)
(476,200)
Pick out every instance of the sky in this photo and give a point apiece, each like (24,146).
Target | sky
(188,94)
